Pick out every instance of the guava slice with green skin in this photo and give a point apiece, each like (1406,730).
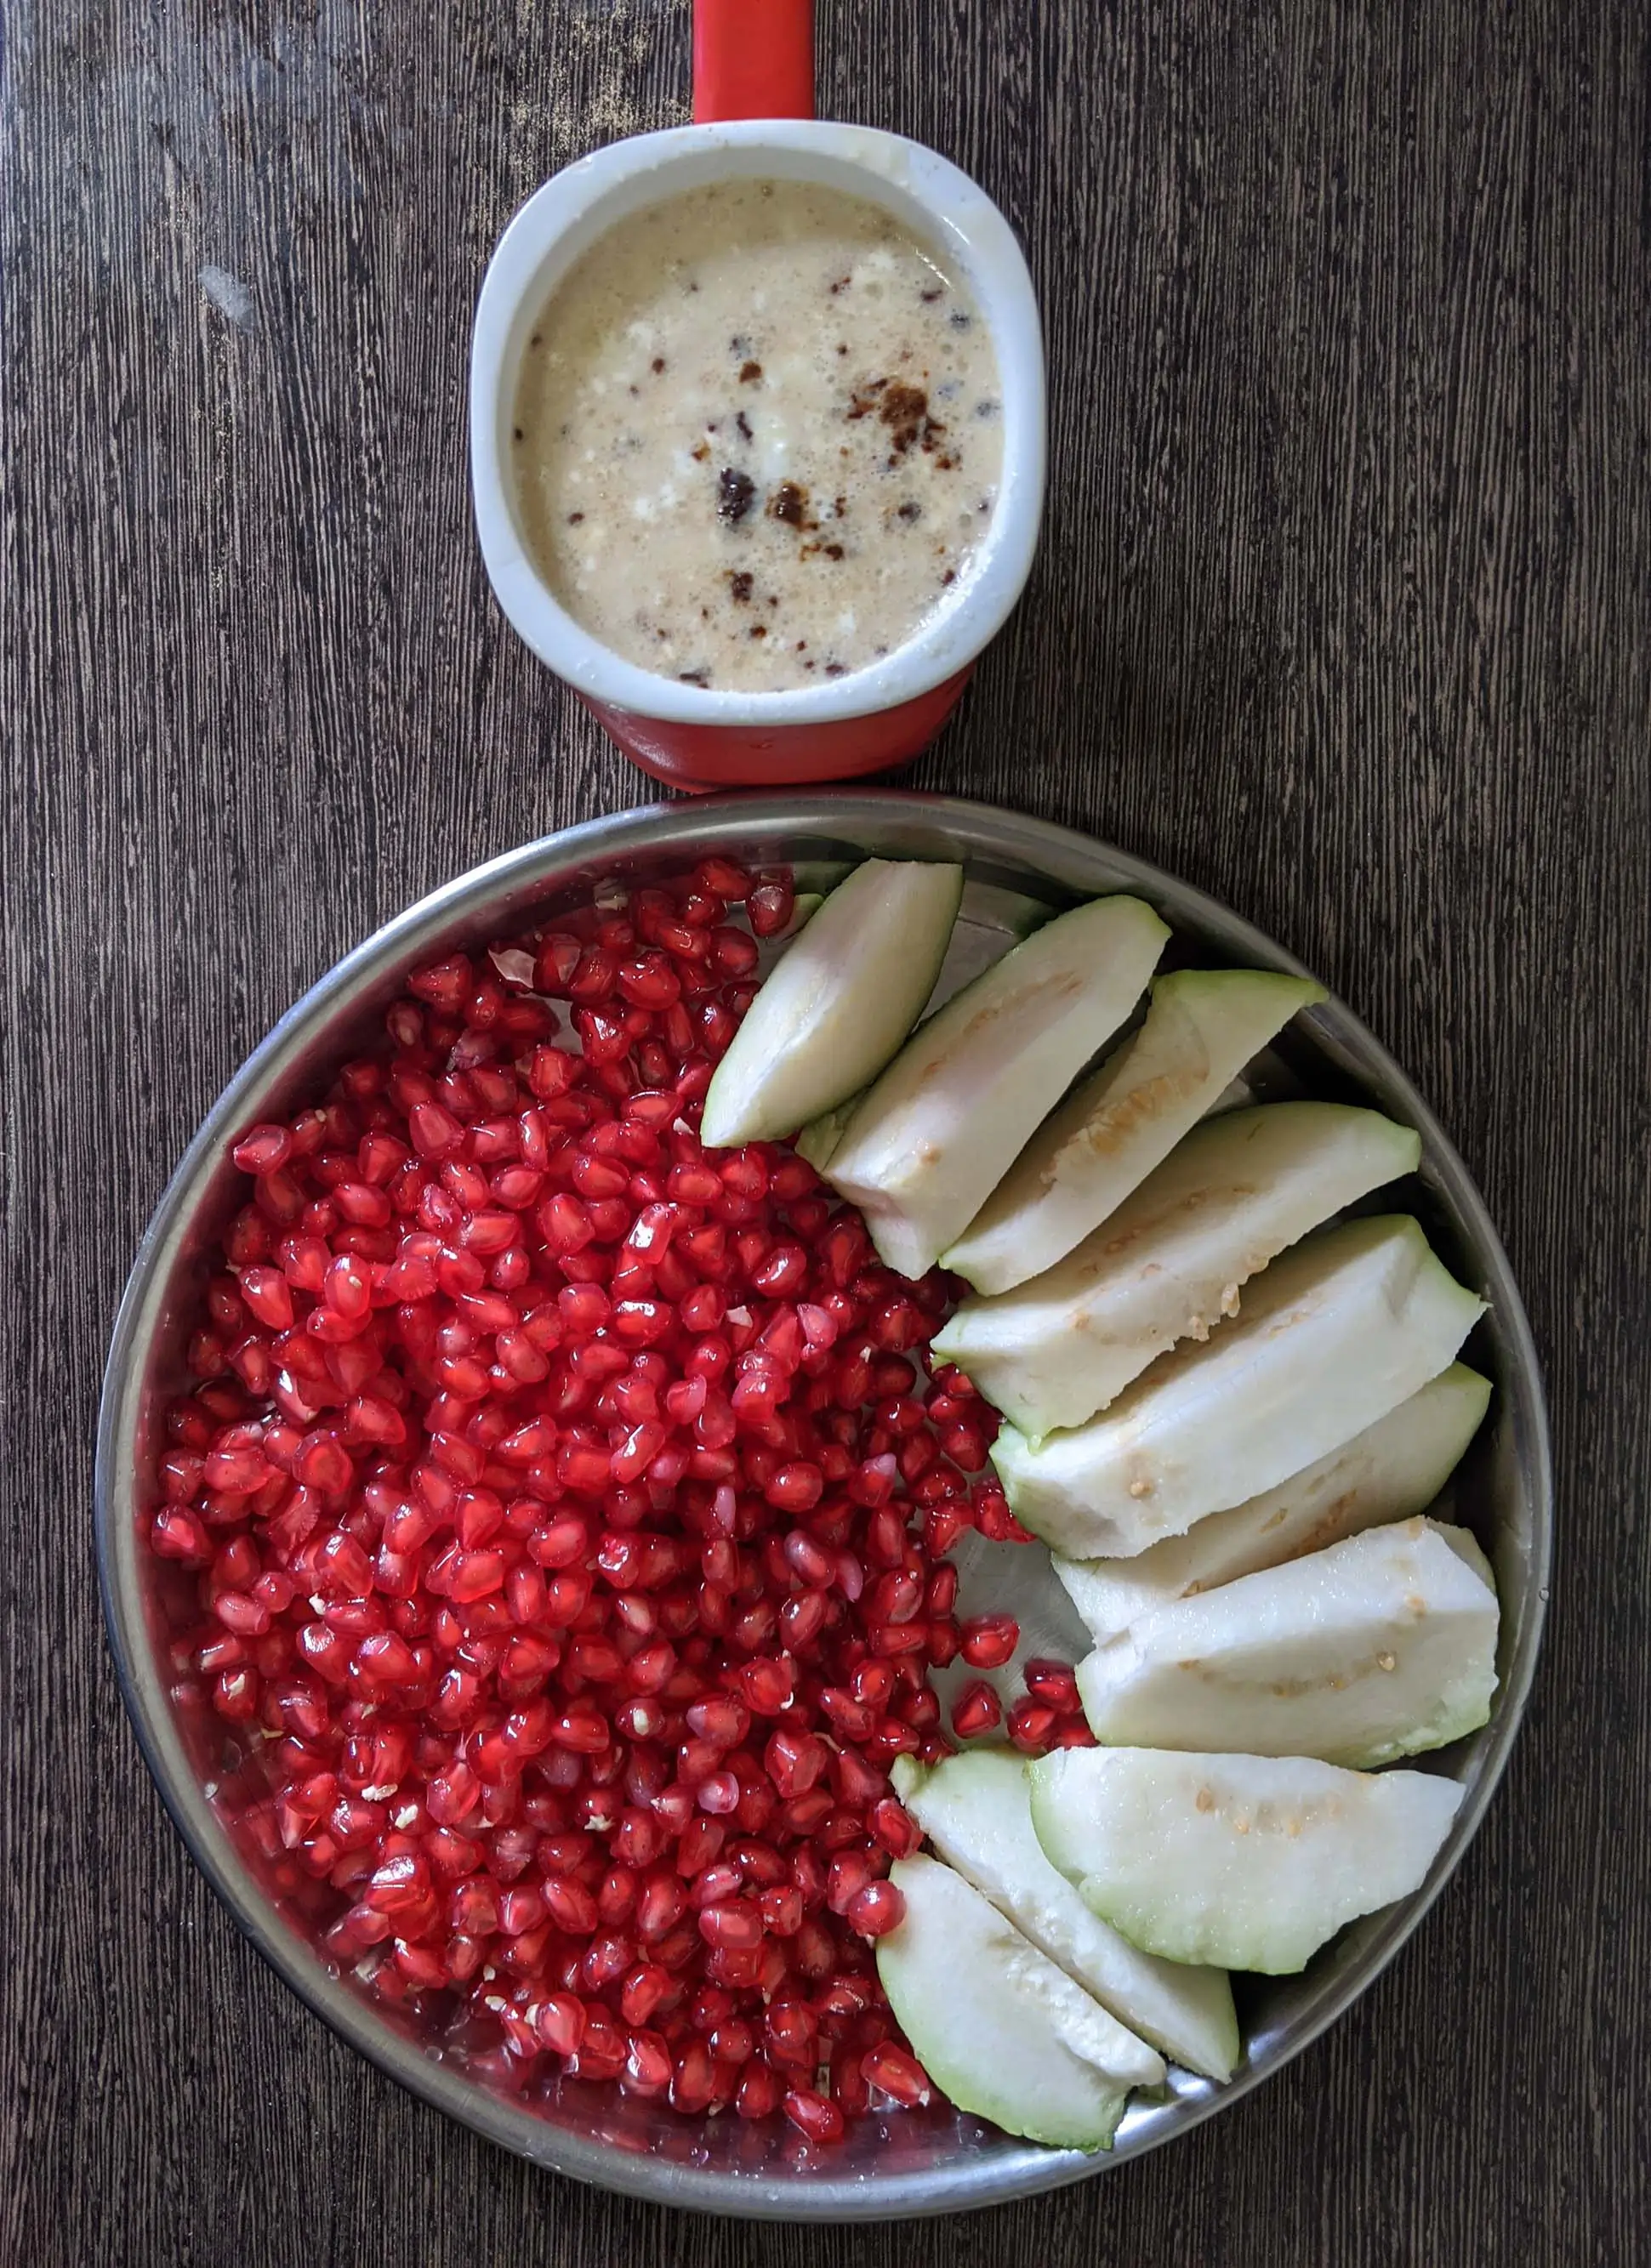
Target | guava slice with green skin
(977,1811)
(1334,1335)
(999,2029)
(819,1139)
(838,1004)
(803,907)
(991,921)
(1251,1861)
(1378,1648)
(1202,1028)
(1237,1094)
(949,1115)
(1169,1264)
(1392,1471)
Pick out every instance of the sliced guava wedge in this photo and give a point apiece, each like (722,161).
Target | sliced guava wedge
(1249,1861)
(949,1117)
(1378,1648)
(819,1139)
(1392,1471)
(977,1811)
(804,906)
(999,2029)
(1169,1264)
(1202,1028)
(839,1003)
(1332,1336)
(1237,1094)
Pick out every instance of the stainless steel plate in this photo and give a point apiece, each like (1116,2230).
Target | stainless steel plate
(937,2161)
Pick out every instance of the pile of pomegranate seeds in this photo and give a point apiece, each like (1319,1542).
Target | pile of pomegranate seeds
(559,1521)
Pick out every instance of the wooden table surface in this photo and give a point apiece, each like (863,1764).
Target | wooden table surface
(1343,613)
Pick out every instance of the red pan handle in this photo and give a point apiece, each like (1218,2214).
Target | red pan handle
(752,59)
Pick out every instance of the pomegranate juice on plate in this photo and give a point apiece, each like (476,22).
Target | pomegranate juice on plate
(758,434)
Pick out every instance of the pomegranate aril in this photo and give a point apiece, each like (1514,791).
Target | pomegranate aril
(1053,1684)
(741,1966)
(710,2008)
(662,1903)
(855,1782)
(894,1828)
(895,1597)
(943,1524)
(563,1541)
(177,1534)
(642,1992)
(767,1686)
(235,1472)
(794,1760)
(975,1711)
(263,1149)
(760,2091)
(569,1904)
(995,1521)
(700,1844)
(989,1640)
(647,2070)
(269,1296)
(693,2079)
(871,1683)
(720,1719)
(1030,1726)
(898,2074)
(716,1885)
(559,2023)
(605,1960)
(721,878)
(718,1793)
(795,1487)
(815,1950)
(603,2050)
(940,1595)
(849,1874)
(736,1926)
(876,1910)
(814,2117)
(782,1910)
(792,2035)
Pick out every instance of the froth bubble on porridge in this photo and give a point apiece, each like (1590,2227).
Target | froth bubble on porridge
(758,435)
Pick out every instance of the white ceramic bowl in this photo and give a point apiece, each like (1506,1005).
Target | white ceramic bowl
(929,196)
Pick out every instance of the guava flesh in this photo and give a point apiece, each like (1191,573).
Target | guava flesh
(838,1004)
(1171,1262)
(947,1118)
(1392,1471)
(976,1810)
(1202,1028)
(999,2029)
(1250,1861)
(1332,1335)
(1379,1647)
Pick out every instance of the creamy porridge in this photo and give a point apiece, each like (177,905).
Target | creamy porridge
(758,435)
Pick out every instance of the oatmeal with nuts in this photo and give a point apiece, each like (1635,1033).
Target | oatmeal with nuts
(757,435)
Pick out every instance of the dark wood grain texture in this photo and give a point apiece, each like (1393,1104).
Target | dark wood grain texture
(1344,613)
